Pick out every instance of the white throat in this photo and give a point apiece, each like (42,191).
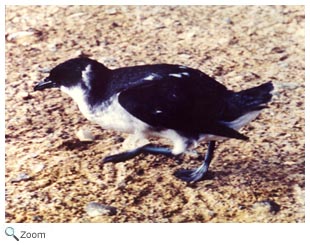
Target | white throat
(78,95)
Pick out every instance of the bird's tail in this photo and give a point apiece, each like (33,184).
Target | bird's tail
(245,101)
(256,98)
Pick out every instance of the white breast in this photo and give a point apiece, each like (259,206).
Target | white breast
(110,115)
(114,116)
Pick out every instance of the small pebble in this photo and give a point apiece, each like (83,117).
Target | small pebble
(81,53)
(38,167)
(53,47)
(266,206)
(23,95)
(111,11)
(228,21)
(85,182)
(32,155)
(85,135)
(13,37)
(212,214)
(44,69)
(21,177)
(37,218)
(94,209)
(287,85)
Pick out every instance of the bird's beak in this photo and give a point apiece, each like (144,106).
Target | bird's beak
(46,83)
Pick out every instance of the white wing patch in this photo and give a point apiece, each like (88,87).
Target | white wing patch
(178,75)
(86,76)
(158,111)
(183,67)
(150,77)
(185,74)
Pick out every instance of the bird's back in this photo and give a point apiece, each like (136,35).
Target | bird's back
(128,77)
(184,99)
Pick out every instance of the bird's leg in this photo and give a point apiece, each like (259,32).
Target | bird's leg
(124,156)
(155,150)
(193,175)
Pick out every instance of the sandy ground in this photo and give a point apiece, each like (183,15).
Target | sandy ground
(53,177)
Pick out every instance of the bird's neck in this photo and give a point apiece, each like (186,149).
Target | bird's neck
(79,96)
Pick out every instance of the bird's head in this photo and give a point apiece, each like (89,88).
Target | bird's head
(73,73)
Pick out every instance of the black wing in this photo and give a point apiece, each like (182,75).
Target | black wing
(191,105)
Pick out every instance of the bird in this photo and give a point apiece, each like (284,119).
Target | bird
(175,102)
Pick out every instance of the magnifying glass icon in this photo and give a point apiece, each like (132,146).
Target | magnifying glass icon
(9,231)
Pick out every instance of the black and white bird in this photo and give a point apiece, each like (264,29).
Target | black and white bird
(175,102)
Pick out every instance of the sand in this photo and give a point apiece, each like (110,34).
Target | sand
(52,176)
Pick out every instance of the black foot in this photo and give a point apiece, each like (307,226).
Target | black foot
(191,175)
(124,156)
(194,175)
